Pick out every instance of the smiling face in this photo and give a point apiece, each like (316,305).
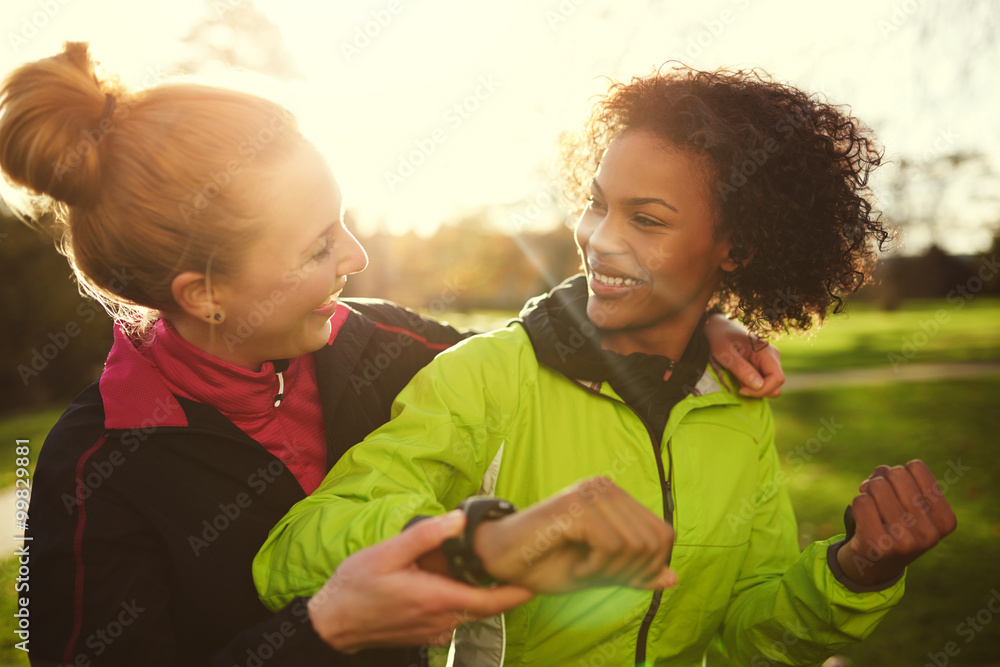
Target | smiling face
(280,306)
(647,243)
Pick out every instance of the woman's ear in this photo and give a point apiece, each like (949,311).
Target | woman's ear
(193,296)
(729,264)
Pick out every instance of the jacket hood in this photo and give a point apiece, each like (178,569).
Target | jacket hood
(565,340)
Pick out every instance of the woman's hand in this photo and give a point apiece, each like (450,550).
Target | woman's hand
(756,364)
(593,534)
(900,514)
(379,597)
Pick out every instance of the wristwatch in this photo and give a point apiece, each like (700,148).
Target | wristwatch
(463,562)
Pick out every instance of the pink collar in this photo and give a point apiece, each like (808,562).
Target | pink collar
(195,374)
(139,383)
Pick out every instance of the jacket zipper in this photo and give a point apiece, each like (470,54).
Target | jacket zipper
(666,477)
(668,516)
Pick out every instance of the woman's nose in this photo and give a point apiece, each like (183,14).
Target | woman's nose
(354,258)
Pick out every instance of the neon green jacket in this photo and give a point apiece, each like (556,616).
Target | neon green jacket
(484,416)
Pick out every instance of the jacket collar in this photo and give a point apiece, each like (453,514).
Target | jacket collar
(565,340)
(142,381)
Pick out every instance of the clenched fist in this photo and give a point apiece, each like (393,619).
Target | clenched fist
(900,513)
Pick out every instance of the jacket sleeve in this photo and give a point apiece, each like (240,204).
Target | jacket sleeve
(443,435)
(100,589)
(789,608)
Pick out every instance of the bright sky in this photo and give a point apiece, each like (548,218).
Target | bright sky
(432,108)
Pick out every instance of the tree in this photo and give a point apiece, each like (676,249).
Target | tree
(236,34)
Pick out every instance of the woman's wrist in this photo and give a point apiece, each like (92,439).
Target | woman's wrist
(488,544)
(328,622)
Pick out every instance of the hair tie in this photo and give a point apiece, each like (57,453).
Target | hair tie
(109,107)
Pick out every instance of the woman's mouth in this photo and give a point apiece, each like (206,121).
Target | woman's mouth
(605,284)
(614,281)
(327,307)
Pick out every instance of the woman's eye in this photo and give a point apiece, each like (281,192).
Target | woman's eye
(594,203)
(323,252)
(647,222)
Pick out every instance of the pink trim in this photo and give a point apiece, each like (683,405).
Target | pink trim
(416,337)
(78,553)
(337,321)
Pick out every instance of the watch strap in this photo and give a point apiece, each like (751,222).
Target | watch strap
(463,562)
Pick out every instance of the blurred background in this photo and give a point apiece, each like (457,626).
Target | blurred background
(441,119)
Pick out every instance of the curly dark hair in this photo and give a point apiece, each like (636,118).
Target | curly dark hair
(789,175)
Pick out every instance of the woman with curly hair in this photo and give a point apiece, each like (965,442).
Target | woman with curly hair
(696,189)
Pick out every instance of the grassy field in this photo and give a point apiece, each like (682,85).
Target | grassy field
(33,427)
(951,425)
(924,331)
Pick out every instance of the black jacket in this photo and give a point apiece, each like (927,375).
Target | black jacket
(141,537)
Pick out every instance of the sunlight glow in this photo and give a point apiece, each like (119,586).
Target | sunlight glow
(432,109)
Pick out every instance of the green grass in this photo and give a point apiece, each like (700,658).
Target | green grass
(865,337)
(947,425)
(31,426)
(923,332)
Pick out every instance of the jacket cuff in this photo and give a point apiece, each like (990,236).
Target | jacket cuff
(847,582)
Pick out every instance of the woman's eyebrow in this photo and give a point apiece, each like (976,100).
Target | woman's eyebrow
(636,201)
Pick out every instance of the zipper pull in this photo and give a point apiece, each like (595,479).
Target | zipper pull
(280,366)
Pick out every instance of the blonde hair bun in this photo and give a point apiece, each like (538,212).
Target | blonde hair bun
(53,126)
